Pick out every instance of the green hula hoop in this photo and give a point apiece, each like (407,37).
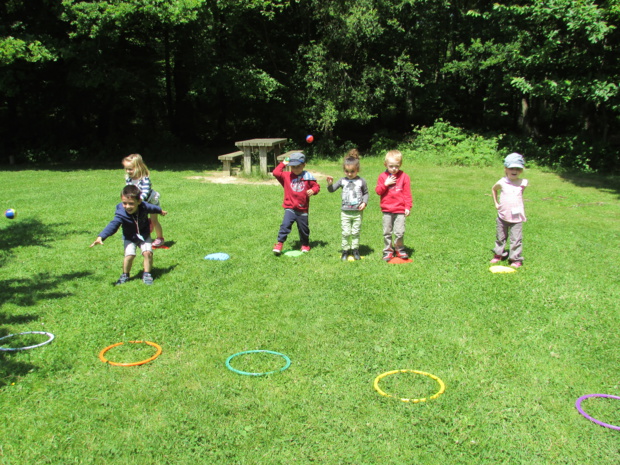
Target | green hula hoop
(442,386)
(248,373)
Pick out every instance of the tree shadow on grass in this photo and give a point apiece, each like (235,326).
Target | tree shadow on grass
(6,319)
(27,232)
(11,370)
(26,292)
(609,184)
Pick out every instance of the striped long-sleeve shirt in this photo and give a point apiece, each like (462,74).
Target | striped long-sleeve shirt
(144,184)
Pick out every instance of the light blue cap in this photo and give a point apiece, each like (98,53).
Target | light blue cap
(514,160)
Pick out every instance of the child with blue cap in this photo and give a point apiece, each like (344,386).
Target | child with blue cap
(510,211)
(299,185)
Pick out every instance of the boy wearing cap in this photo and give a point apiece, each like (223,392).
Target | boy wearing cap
(299,186)
(510,211)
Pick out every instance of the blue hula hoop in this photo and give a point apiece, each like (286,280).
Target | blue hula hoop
(248,373)
(10,349)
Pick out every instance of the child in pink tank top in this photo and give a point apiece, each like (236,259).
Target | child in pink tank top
(510,211)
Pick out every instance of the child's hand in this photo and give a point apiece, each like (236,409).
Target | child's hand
(163,213)
(407,212)
(361,206)
(285,161)
(98,241)
(330,180)
(390,180)
(310,192)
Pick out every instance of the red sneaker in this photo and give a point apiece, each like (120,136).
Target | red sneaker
(401,254)
(305,248)
(496,259)
(516,264)
(387,256)
(277,249)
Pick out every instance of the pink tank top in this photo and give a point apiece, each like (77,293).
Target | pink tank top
(511,208)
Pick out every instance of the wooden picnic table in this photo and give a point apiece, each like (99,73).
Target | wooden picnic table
(262,146)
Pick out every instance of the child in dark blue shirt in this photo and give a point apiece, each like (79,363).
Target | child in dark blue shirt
(132,216)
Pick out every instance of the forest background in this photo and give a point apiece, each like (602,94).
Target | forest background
(90,81)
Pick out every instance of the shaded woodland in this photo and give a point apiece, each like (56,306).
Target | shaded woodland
(88,81)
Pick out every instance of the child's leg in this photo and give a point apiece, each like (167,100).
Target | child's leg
(501,235)
(516,242)
(148,261)
(127,263)
(345,222)
(287,224)
(304,228)
(399,231)
(388,225)
(156,225)
(130,254)
(356,228)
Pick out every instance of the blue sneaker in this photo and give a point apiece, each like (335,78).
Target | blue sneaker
(123,279)
(147,278)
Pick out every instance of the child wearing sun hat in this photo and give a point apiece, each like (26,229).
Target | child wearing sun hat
(510,211)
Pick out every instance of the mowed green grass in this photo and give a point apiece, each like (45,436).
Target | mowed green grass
(515,351)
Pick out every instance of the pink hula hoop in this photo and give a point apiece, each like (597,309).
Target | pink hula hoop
(598,422)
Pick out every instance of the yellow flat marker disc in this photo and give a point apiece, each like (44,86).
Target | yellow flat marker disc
(502,269)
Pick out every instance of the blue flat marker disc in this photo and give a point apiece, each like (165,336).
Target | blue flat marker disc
(217,256)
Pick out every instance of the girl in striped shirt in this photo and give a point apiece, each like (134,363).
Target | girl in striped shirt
(138,175)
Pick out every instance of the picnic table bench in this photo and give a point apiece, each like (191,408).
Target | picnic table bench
(262,146)
(227,160)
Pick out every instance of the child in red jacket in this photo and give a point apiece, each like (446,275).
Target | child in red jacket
(394,187)
(299,186)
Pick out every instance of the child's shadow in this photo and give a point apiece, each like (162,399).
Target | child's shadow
(313,244)
(365,250)
(159,272)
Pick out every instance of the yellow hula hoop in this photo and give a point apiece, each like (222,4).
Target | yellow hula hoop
(442,386)
(131,364)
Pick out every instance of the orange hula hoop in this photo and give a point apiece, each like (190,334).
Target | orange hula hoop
(131,364)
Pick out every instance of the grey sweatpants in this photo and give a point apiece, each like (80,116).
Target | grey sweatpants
(514,231)
(393,223)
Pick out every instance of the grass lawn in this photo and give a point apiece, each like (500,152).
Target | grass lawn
(515,350)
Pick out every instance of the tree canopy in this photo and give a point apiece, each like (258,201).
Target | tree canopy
(91,78)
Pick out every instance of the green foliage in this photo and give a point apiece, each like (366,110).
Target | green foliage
(117,19)
(135,75)
(565,153)
(13,49)
(445,144)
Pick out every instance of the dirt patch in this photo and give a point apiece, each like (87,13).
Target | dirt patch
(219,177)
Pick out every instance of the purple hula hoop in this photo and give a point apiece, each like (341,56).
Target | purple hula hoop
(598,422)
